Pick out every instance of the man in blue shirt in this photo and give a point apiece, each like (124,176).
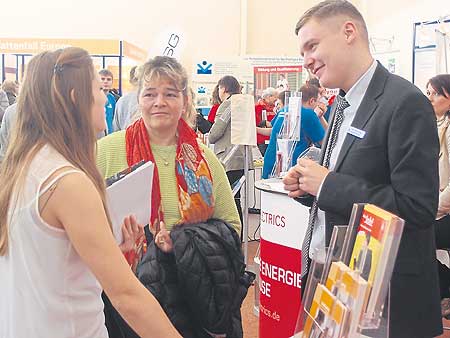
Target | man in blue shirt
(311,130)
(106,77)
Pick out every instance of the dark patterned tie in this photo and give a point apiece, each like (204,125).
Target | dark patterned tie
(342,104)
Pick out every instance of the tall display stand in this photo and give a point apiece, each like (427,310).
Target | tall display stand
(243,134)
(347,294)
(283,226)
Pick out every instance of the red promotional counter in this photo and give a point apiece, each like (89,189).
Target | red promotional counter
(283,226)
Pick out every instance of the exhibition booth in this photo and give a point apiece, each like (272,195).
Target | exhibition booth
(116,55)
(348,290)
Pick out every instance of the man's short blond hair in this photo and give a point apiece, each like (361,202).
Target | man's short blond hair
(330,9)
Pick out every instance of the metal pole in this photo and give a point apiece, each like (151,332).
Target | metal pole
(247,193)
(120,66)
(3,68)
(17,67)
(22,70)
(414,51)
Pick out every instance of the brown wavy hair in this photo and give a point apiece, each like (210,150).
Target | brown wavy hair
(54,108)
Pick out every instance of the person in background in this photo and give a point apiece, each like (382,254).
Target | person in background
(215,101)
(438,92)
(127,105)
(282,83)
(265,104)
(11,88)
(57,249)
(324,106)
(220,136)
(383,150)
(6,128)
(311,130)
(204,125)
(4,103)
(106,76)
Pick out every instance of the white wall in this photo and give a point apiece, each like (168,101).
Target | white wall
(203,25)
(209,28)
(271,25)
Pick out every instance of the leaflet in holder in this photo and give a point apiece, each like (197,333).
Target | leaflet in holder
(129,193)
(313,153)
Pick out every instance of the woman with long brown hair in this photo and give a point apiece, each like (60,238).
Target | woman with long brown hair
(57,250)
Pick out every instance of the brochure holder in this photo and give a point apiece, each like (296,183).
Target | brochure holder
(320,266)
(292,118)
(288,135)
(351,297)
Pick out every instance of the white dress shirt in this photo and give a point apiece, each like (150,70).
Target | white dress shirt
(354,97)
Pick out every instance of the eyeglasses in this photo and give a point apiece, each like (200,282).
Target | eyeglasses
(432,94)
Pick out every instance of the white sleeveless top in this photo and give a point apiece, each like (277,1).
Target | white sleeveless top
(46,290)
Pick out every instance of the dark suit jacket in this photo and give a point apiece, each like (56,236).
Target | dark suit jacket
(395,166)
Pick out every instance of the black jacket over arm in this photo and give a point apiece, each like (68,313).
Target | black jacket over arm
(201,285)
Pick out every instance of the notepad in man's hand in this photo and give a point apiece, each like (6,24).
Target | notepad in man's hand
(130,194)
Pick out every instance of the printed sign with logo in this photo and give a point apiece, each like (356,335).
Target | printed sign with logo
(282,232)
(204,67)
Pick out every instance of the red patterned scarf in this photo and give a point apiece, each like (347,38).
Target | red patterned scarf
(194,180)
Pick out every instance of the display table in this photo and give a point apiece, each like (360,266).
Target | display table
(283,226)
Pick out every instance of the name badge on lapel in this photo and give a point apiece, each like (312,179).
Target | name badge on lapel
(356,132)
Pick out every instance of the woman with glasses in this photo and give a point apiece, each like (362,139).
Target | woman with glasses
(438,92)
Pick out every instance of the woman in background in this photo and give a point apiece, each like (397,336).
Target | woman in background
(215,101)
(57,250)
(438,92)
(11,89)
(220,135)
(204,125)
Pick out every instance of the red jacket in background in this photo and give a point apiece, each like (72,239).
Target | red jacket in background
(259,107)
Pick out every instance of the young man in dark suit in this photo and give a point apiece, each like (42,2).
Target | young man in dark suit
(382,148)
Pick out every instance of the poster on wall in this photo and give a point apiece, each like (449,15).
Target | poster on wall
(207,71)
(279,77)
(389,60)
(424,67)
(431,51)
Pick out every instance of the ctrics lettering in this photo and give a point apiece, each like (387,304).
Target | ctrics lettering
(278,274)
(172,43)
(273,219)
